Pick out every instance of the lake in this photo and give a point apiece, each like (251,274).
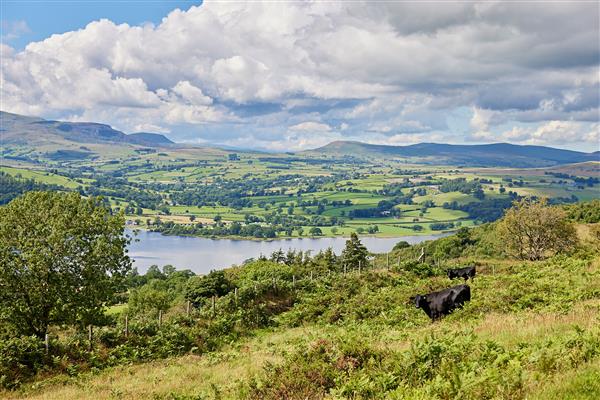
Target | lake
(202,255)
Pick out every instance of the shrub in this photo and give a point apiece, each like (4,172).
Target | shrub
(20,359)
(200,288)
(421,270)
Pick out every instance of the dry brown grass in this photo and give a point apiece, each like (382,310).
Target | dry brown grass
(211,375)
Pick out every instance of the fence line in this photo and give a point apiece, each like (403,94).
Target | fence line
(311,277)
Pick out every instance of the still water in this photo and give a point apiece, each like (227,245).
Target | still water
(202,255)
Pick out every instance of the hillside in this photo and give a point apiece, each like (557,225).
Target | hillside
(18,129)
(149,139)
(303,328)
(484,155)
(30,138)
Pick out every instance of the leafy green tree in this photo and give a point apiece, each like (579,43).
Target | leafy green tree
(403,244)
(354,252)
(61,258)
(315,231)
(151,297)
(202,287)
(168,270)
(154,272)
(532,230)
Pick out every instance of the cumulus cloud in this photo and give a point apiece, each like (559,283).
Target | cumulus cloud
(549,133)
(287,73)
(310,126)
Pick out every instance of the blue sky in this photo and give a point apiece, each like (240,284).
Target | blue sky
(44,18)
(288,76)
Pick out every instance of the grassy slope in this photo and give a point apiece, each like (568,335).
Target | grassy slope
(42,177)
(513,304)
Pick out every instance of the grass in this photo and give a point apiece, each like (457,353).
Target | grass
(501,312)
(582,384)
(43,177)
(219,375)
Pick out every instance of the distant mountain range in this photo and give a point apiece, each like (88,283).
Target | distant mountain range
(482,155)
(18,129)
(30,138)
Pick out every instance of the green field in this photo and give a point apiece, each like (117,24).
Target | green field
(285,196)
(44,177)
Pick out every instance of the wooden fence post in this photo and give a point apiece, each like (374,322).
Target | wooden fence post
(90,335)
(46,343)
(235,295)
(126,325)
(294,281)
(187,308)
(345,269)
(311,275)
(387,262)
(359,264)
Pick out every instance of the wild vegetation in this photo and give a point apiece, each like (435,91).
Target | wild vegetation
(293,325)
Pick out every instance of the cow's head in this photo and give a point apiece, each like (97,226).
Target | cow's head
(420,301)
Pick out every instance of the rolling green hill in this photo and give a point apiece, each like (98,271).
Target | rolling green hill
(485,155)
(18,129)
(27,138)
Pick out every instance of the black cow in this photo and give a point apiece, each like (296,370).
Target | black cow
(465,273)
(443,302)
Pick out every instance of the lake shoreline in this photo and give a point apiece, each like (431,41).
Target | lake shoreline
(281,238)
(201,255)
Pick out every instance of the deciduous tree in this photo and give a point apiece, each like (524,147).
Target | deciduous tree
(532,230)
(61,258)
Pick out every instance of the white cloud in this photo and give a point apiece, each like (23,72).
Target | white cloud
(310,126)
(394,68)
(191,93)
(480,121)
(150,128)
(550,133)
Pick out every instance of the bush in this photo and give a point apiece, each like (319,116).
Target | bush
(200,288)
(150,298)
(403,244)
(422,270)
(20,359)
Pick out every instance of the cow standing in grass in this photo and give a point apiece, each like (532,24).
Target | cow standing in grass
(464,273)
(445,301)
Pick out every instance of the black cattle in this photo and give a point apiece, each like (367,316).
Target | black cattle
(443,302)
(465,273)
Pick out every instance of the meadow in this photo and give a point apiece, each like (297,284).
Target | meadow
(203,192)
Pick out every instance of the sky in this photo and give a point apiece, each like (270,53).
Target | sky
(286,76)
